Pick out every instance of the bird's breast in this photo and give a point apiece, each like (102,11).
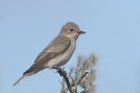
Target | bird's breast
(63,58)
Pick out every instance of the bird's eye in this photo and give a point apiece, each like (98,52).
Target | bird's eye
(71,30)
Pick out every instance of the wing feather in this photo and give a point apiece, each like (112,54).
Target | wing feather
(59,45)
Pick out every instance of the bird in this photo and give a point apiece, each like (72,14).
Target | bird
(58,52)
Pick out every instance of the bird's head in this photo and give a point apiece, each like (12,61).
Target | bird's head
(71,30)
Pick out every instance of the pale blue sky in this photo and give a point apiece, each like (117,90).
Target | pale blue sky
(113,35)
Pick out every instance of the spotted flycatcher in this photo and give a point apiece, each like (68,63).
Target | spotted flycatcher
(58,52)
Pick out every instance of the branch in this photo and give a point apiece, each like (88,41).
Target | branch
(79,79)
(64,74)
(85,91)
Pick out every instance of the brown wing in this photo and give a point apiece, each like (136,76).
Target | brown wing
(55,48)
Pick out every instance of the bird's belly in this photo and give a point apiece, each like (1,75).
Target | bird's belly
(63,58)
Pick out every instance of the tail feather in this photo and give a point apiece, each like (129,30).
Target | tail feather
(25,75)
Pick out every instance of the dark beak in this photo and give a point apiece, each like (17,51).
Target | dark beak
(82,32)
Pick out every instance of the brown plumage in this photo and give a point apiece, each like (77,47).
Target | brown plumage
(58,52)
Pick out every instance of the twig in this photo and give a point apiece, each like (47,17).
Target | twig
(64,74)
(85,91)
(79,79)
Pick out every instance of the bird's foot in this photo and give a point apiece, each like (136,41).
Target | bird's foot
(60,70)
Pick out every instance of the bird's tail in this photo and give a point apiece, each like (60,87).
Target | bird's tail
(25,75)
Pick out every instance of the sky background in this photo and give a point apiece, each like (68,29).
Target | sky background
(113,35)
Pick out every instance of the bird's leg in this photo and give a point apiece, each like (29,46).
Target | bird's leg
(60,70)
(55,67)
